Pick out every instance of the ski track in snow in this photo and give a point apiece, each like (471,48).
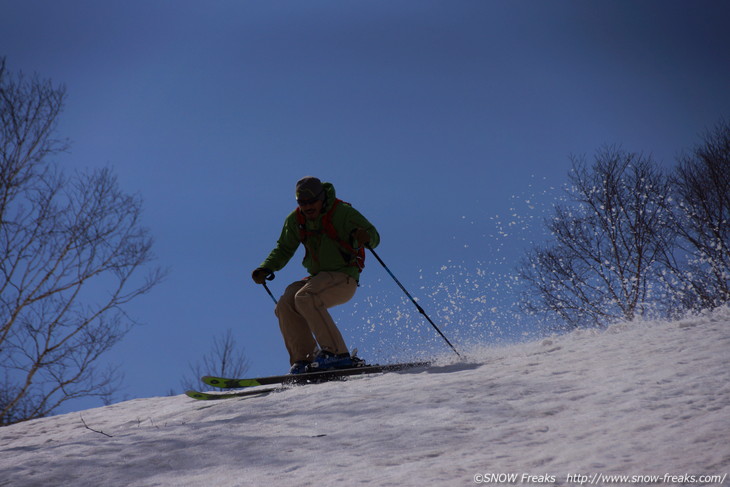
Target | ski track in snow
(635,399)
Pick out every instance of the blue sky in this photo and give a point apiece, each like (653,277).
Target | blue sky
(448,124)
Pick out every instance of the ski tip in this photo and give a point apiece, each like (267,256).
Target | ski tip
(195,394)
(208,379)
(226,383)
(207,396)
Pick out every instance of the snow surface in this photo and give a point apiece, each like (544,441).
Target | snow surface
(650,398)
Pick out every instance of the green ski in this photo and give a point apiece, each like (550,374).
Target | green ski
(309,377)
(212,396)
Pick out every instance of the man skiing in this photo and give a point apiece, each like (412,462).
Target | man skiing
(334,235)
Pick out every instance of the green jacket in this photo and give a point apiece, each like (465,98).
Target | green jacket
(330,255)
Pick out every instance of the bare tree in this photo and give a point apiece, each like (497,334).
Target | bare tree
(700,261)
(71,249)
(225,359)
(603,263)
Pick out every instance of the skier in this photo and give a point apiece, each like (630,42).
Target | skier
(334,235)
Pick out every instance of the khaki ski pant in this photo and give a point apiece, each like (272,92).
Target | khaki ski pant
(305,323)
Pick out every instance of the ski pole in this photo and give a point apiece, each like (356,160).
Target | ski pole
(418,306)
(270,277)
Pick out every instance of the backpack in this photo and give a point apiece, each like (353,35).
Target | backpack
(354,257)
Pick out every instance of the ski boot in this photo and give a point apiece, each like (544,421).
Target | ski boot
(300,367)
(329,361)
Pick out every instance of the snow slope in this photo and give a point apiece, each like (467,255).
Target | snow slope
(637,399)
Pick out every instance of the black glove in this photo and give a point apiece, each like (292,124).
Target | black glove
(261,274)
